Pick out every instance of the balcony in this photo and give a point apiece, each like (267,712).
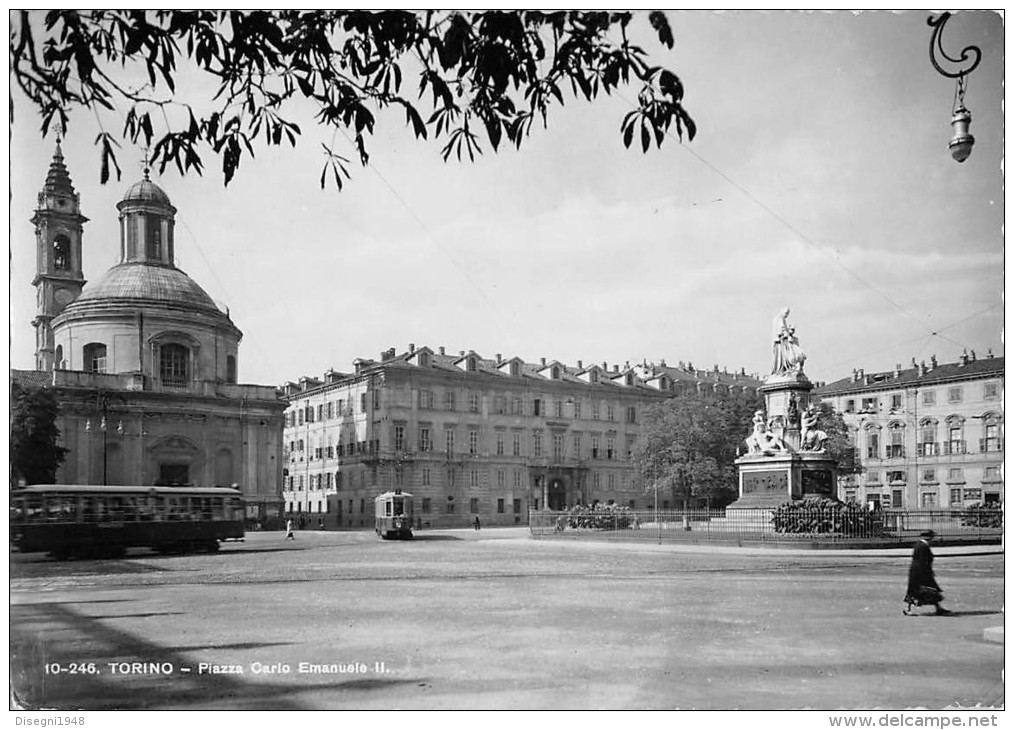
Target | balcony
(954,448)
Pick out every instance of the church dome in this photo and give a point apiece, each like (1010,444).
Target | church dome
(144,283)
(145,191)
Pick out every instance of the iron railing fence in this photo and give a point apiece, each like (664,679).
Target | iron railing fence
(785,525)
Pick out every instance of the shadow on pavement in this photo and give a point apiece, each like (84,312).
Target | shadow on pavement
(50,634)
(424,538)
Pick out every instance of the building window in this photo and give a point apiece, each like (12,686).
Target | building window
(452,477)
(897,497)
(929,475)
(426,477)
(517,444)
(450,505)
(501,478)
(577,409)
(425,444)
(577,446)
(230,369)
(95,357)
(517,479)
(472,365)
(426,399)
(955,496)
(990,473)
(610,412)
(499,506)
(473,442)
(929,397)
(956,474)
(173,365)
(896,476)
(536,444)
(425,507)
(631,414)
(929,500)
(153,227)
(473,505)
(473,478)
(928,438)
(896,402)
(869,405)
(955,437)
(449,441)
(559,408)
(850,406)
(610,447)
(991,390)
(473,403)
(557,445)
(399,438)
(595,447)
(595,410)
(537,407)
(362,402)
(499,443)
(896,447)
(954,394)
(873,477)
(449,400)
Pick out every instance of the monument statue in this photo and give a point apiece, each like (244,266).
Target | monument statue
(788,355)
(810,437)
(763,440)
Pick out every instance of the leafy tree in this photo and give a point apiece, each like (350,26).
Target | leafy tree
(839,444)
(688,445)
(35,450)
(485,74)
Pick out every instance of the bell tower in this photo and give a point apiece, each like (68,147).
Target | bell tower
(58,275)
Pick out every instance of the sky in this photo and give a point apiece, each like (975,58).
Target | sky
(819,180)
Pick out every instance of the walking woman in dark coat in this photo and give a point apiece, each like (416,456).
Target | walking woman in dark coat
(922,585)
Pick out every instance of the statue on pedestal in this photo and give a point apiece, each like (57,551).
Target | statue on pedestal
(763,440)
(788,355)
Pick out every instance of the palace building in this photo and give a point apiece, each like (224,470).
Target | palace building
(927,436)
(472,436)
(144,363)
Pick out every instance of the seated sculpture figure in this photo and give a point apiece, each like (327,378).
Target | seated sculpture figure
(762,440)
(810,437)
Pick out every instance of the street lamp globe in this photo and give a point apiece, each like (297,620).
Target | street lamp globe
(961,143)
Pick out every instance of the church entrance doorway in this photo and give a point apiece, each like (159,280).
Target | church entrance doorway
(556,496)
(174,475)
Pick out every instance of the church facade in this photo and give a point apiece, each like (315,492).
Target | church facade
(144,363)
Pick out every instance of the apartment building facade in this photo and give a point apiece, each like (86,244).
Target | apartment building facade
(928,436)
(471,436)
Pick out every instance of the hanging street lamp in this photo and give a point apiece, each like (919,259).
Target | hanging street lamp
(961,119)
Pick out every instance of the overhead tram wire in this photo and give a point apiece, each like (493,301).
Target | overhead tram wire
(781,219)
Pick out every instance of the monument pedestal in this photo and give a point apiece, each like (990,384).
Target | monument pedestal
(769,480)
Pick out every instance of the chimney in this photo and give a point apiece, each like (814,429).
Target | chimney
(973,355)
(964,358)
(922,368)
(442,350)
(989,354)
(897,370)
(915,365)
(933,362)
(542,360)
(411,347)
(605,366)
(616,368)
(580,365)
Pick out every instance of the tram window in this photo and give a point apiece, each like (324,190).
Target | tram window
(387,509)
(399,506)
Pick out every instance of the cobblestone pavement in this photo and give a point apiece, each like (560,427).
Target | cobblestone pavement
(464,619)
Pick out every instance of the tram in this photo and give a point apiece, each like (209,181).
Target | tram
(394,515)
(72,520)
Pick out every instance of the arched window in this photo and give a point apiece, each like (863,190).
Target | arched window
(58,360)
(153,231)
(991,440)
(872,442)
(928,445)
(955,443)
(896,441)
(95,357)
(174,365)
(61,252)
(230,369)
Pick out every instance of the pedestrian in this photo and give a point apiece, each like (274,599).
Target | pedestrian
(289,535)
(478,524)
(922,584)
(320,523)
